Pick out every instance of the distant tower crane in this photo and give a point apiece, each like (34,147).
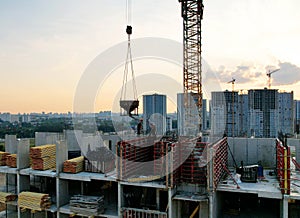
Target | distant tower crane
(192,14)
(269,75)
(232,104)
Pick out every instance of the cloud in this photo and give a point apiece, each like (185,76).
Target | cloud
(242,73)
(288,74)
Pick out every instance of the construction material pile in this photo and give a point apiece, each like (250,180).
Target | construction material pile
(74,165)
(43,157)
(11,160)
(34,201)
(5,197)
(3,157)
(88,205)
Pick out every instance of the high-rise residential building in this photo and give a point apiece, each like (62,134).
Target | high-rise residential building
(224,113)
(6,117)
(204,115)
(155,112)
(286,112)
(260,113)
(263,113)
(243,110)
(169,124)
(297,116)
(187,115)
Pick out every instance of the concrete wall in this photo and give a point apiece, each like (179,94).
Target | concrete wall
(94,141)
(11,144)
(252,150)
(73,139)
(296,144)
(114,140)
(45,138)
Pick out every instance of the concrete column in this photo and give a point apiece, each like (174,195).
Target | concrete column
(284,207)
(203,210)
(178,209)
(170,194)
(120,198)
(157,199)
(211,209)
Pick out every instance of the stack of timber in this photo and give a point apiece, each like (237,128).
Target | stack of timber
(6,197)
(3,157)
(34,201)
(74,165)
(87,205)
(11,160)
(43,157)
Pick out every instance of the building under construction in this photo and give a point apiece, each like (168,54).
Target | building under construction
(231,177)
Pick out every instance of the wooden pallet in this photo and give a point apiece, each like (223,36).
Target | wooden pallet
(5,197)
(11,160)
(45,163)
(34,201)
(43,151)
(74,165)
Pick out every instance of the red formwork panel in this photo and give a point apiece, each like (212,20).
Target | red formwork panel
(283,168)
(192,170)
(165,157)
(132,158)
(138,213)
(220,160)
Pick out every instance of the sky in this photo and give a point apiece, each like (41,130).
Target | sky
(46,46)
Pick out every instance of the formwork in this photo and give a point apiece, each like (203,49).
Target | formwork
(133,158)
(165,154)
(283,161)
(139,213)
(220,160)
(194,170)
(174,162)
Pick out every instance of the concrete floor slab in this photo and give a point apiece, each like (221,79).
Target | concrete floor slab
(266,188)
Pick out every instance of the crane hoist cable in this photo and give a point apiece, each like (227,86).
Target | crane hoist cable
(130,107)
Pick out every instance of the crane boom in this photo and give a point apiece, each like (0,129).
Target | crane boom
(269,75)
(192,14)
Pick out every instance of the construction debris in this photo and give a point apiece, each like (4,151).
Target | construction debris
(5,197)
(74,165)
(34,201)
(88,205)
(43,157)
(3,157)
(11,160)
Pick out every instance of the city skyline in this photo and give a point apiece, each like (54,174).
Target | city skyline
(46,46)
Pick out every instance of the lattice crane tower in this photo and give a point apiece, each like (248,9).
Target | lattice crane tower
(192,14)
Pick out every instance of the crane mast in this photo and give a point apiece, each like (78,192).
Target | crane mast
(192,14)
